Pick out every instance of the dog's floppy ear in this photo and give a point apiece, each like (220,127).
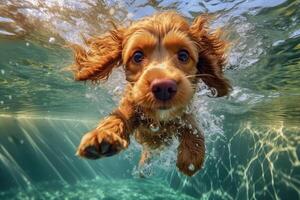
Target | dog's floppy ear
(212,56)
(102,54)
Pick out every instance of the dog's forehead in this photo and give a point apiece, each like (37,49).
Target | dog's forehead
(154,28)
(160,23)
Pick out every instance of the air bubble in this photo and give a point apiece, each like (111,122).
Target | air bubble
(188,110)
(10,139)
(154,127)
(117,90)
(27,44)
(181,122)
(2,71)
(112,11)
(212,92)
(51,40)
(191,167)
(130,15)
(142,116)
(195,132)
(202,89)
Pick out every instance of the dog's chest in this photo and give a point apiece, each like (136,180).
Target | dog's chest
(155,135)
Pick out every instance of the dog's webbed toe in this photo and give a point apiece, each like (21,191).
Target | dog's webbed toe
(91,152)
(107,149)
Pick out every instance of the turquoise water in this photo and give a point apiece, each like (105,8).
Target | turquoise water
(252,136)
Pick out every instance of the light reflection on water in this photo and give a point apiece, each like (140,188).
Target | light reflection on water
(252,137)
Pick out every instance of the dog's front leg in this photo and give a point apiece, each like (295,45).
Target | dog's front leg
(111,136)
(191,149)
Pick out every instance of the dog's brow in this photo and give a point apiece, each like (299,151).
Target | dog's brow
(176,41)
(139,41)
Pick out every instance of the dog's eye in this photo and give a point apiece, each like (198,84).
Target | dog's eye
(138,57)
(183,55)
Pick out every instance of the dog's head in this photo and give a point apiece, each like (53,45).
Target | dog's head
(163,57)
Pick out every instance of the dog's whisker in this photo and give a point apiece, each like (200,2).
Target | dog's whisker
(200,75)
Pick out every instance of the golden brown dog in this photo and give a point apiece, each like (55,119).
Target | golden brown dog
(163,58)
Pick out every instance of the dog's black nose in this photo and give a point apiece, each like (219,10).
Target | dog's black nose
(163,89)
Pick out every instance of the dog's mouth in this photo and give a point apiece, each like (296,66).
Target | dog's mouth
(150,102)
(164,107)
(172,103)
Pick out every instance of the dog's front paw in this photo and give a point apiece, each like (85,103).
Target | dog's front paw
(100,143)
(189,162)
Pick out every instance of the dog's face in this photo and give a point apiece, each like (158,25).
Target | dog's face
(161,64)
(163,57)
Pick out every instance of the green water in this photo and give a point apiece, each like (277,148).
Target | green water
(252,136)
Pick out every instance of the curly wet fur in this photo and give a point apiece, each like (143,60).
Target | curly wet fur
(160,37)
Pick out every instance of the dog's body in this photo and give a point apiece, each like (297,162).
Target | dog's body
(163,57)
